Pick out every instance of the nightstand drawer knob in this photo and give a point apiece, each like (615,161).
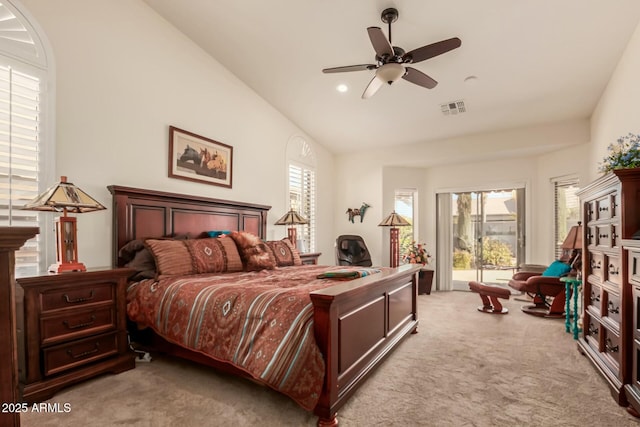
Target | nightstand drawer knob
(77,300)
(84,353)
(80,325)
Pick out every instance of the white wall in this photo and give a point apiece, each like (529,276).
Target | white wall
(461,173)
(618,110)
(123,76)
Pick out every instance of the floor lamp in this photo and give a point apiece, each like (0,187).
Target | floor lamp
(292,218)
(394,221)
(65,197)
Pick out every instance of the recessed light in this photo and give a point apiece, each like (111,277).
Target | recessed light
(342,88)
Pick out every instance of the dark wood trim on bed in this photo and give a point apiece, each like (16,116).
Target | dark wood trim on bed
(356,323)
(139,213)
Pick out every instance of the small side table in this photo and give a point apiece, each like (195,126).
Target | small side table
(425,281)
(572,287)
(310,258)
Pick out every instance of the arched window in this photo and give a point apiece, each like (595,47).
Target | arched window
(301,167)
(26,141)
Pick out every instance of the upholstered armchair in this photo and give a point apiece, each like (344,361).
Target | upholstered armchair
(547,291)
(351,250)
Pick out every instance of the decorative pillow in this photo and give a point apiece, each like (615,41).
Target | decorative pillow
(218,233)
(172,256)
(557,269)
(136,255)
(284,252)
(214,255)
(255,254)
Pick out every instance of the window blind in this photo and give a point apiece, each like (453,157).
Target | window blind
(19,158)
(566,210)
(302,199)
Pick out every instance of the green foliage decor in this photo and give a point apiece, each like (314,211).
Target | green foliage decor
(461,260)
(496,252)
(623,154)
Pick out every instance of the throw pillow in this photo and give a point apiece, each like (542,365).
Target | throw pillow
(284,252)
(557,269)
(214,255)
(254,252)
(172,256)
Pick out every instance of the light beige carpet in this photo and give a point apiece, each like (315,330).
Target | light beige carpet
(463,368)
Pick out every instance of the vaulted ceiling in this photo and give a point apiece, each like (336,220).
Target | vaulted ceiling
(521,63)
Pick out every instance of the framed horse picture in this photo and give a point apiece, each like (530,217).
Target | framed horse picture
(196,158)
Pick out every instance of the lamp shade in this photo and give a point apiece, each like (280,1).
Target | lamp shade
(574,238)
(291,218)
(64,196)
(394,220)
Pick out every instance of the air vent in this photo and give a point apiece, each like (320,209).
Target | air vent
(452,108)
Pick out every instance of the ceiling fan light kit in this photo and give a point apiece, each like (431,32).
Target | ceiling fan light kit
(390,73)
(391,61)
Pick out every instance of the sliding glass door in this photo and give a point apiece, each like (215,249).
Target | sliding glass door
(488,236)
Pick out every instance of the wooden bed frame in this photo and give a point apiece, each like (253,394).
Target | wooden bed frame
(357,323)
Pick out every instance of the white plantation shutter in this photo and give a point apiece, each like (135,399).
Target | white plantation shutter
(19,158)
(302,199)
(23,73)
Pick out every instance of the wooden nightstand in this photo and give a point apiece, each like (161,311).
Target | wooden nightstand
(73,327)
(310,258)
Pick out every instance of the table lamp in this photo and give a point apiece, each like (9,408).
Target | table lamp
(394,221)
(292,218)
(65,197)
(573,242)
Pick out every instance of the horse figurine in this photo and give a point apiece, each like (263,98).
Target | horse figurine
(353,212)
(191,155)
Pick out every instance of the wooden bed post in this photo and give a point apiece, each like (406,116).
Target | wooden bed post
(11,239)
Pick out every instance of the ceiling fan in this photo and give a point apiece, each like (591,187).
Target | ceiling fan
(391,61)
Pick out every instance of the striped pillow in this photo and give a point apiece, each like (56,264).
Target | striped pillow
(172,256)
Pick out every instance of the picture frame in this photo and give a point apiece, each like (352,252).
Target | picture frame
(196,158)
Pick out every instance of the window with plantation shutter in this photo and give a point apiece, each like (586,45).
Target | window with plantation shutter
(566,209)
(302,199)
(23,73)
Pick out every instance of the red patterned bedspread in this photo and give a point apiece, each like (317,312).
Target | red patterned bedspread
(261,322)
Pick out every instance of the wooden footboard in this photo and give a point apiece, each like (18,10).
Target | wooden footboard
(357,324)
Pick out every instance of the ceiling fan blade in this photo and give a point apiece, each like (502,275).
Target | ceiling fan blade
(418,77)
(380,43)
(349,68)
(372,87)
(431,50)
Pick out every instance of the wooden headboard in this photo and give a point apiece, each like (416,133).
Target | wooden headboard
(139,214)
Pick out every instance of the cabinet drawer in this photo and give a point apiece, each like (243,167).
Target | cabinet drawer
(595,298)
(596,265)
(634,267)
(592,333)
(76,324)
(73,297)
(611,350)
(603,207)
(613,271)
(604,235)
(611,307)
(70,355)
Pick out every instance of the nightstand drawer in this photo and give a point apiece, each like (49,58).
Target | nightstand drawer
(78,295)
(67,356)
(77,324)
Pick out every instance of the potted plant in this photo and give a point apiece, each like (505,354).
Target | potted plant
(417,254)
